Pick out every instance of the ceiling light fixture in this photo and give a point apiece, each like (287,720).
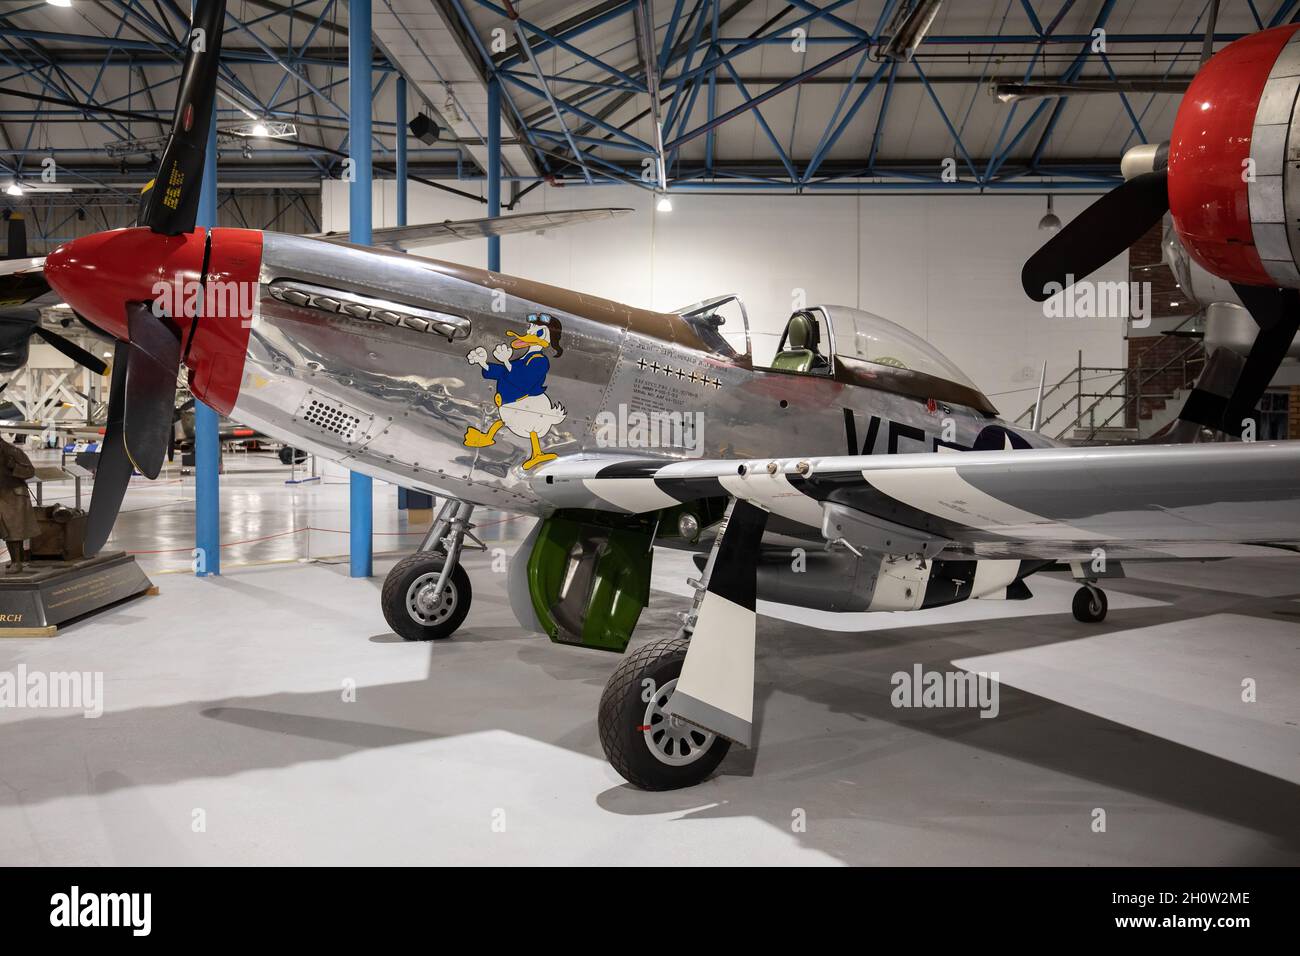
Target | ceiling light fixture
(909,29)
(1050,222)
(14,189)
(59,3)
(665,204)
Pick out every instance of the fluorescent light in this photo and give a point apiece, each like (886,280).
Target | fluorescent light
(13,189)
(665,204)
(59,3)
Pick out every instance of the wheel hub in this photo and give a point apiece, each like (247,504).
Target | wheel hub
(672,740)
(423,602)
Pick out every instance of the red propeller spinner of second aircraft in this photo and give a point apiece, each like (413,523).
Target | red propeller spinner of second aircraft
(1230,178)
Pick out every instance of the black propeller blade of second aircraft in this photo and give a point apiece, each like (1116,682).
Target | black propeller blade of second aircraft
(1098,234)
(1277,312)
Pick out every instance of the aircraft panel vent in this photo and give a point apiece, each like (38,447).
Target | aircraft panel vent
(331,418)
(357,306)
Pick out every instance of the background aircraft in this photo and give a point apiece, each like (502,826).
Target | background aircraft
(863,470)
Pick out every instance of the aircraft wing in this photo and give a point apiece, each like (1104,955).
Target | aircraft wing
(1171,501)
(436,233)
(22,281)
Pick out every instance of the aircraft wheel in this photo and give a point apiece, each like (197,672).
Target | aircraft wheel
(410,606)
(1089,605)
(648,748)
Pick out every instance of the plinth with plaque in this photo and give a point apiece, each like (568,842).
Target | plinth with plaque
(46,594)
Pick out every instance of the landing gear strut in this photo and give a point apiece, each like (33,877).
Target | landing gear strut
(427,594)
(668,717)
(1089,604)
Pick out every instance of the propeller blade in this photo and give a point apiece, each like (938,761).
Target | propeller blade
(17,237)
(1207,45)
(1277,311)
(150,388)
(172,199)
(114,470)
(1230,386)
(72,350)
(1097,235)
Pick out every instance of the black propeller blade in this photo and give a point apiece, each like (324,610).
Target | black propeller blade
(72,350)
(142,393)
(114,470)
(17,237)
(1097,235)
(1230,388)
(173,197)
(150,388)
(1277,312)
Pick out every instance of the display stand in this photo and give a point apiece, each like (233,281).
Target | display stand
(46,595)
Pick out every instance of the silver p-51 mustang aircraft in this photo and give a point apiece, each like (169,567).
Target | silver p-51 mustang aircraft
(860,444)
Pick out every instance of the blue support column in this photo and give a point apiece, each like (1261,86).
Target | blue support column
(361,487)
(207,425)
(494,168)
(401,149)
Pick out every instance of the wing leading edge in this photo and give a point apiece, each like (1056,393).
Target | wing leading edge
(1189,501)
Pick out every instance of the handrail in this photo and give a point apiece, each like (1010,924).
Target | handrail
(1179,357)
(1028,412)
(1079,375)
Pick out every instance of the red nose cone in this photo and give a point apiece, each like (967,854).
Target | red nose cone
(98,275)
(1209,152)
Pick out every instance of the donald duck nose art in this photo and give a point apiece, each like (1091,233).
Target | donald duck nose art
(520,373)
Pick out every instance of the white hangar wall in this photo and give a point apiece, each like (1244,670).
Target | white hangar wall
(946,267)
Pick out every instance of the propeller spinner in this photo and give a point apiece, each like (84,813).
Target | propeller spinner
(1223,178)
(111,279)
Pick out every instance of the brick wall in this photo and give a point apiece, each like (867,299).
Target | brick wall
(1150,352)
(1146,264)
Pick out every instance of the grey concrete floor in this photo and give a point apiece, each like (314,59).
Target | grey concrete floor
(231,733)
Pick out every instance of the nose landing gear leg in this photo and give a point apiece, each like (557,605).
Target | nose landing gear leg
(672,710)
(427,594)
